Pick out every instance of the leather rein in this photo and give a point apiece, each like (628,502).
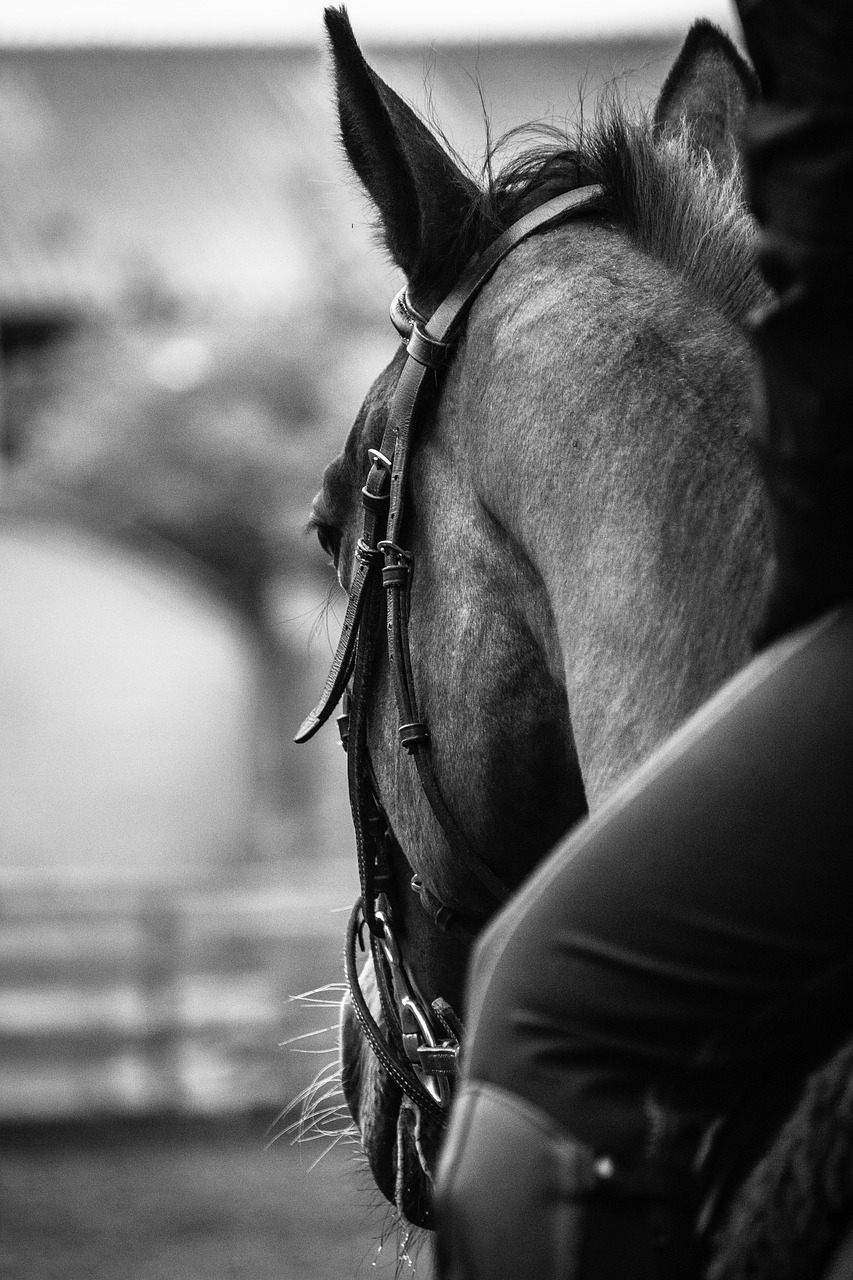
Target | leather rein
(421,1050)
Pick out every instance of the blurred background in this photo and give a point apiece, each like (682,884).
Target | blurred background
(192,305)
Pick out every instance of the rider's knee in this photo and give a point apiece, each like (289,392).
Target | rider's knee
(517,1197)
(506,1191)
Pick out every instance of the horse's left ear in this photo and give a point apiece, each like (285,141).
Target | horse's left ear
(428,207)
(709,88)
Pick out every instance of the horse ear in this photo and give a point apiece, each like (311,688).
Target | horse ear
(428,207)
(709,88)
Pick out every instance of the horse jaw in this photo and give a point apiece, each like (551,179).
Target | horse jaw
(401,1145)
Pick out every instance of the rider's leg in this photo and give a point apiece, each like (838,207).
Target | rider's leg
(521,1198)
(624,986)
(650,976)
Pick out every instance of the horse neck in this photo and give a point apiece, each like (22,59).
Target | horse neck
(606,410)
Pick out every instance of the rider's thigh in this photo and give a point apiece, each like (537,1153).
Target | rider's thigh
(704,895)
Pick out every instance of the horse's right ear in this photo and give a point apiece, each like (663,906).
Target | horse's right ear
(425,201)
(709,88)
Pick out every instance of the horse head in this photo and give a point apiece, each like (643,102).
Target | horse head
(578,562)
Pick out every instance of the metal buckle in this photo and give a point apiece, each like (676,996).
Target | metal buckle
(343,720)
(389,548)
(366,553)
(379,460)
(417,1027)
(377,502)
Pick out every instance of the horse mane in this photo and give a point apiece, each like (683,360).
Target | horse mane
(665,191)
(795,1207)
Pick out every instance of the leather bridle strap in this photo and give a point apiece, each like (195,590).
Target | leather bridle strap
(428,348)
(442,328)
(364,577)
(419,1053)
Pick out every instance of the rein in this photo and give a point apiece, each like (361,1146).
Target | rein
(420,1052)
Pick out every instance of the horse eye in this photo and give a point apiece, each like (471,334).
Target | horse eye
(329,540)
(327,535)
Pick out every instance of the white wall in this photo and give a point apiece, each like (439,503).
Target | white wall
(126,712)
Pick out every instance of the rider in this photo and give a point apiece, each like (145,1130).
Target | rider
(643,1014)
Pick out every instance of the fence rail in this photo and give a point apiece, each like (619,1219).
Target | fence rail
(134,999)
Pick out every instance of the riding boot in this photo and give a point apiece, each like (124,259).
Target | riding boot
(518,1199)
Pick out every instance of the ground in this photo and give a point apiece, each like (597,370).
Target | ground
(178,1200)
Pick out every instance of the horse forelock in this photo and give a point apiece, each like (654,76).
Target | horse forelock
(680,210)
(664,191)
(661,187)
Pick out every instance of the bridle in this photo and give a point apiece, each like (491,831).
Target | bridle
(421,1050)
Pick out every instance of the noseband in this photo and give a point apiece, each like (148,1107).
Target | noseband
(421,1051)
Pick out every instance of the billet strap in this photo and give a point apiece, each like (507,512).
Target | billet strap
(375,501)
(339,674)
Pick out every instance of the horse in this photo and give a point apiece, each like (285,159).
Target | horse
(583,526)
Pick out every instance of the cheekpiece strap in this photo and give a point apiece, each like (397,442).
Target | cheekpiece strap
(428,344)
(341,669)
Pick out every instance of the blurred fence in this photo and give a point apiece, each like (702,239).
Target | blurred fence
(142,999)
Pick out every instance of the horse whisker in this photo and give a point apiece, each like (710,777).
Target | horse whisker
(315,1118)
(337,1134)
(306,1035)
(310,997)
(324,1077)
(323,1154)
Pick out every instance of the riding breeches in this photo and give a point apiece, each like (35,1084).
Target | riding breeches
(646,1009)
